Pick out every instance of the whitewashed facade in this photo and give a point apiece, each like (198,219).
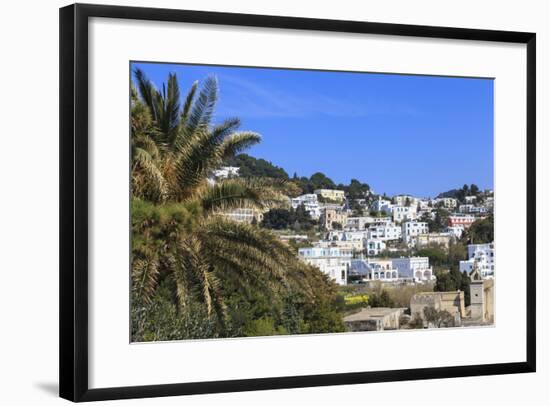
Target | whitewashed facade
(456,231)
(410,229)
(403,213)
(417,269)
(310,202)
(447,202)
(384,232)
(406,200)
(332,261)
(374,247)
(374,269)
(244,215)
(361,223)
(382,205)
(226,172)
(484,255)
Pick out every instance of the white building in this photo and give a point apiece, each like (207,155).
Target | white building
(406,200)
(347,235)
(374,247)
(362,223)
(455,231)
(244,215)
(355,246)
(423,204)
(472,209)
(384,232)
(374,269)
(310,202)
(489,203)
(410,229)
(416,269)
(465,208)
(226,172)
(447,202)
(332,261)
(403,213)
(381,205)
(484,255)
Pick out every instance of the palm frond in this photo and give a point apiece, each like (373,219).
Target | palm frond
(221,131)
(203,107)
(194,275)
(196,158)
(238,142)
(230,194)
(189,102)
(247,236)
(238,193)
(171,103)
(148,180)
(146,89)
(145,272)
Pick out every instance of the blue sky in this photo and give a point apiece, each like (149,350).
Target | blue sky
(399,133)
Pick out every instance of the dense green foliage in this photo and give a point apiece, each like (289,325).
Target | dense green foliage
(445,263)
(356,189)
(439,222)
(297,219)
(481,231)
(195,273)
(452,281)
(250,167)
(316,181)
(381,299)
(460,194)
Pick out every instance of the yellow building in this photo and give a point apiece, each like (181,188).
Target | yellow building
(424,240)
(331,194)
(331,216)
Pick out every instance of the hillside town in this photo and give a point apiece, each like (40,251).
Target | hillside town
(374,245)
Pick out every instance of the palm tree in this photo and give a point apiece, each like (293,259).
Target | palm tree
(176,149)
(180,233)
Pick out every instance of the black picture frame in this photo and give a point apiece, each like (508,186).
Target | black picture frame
(73,79)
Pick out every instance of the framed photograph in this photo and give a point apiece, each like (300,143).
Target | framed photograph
(258,202)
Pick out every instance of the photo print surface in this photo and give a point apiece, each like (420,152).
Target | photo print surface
(269,201)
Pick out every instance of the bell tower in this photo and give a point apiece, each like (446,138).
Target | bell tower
(477,299)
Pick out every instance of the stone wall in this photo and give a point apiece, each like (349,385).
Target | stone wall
(453,302)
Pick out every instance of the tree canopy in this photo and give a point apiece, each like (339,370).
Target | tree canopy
(461,193)
(481,231)
(255,167)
